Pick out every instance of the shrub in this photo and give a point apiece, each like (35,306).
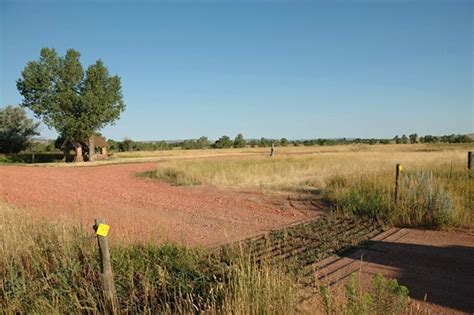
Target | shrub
(424,202)
(367,199)
(28,158)
(361,197)
(239,141)
(126,145)
(223,142)
(385,297)
(388,297)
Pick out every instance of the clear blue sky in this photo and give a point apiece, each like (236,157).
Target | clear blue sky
(264,68)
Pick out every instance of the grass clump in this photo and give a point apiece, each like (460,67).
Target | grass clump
(427,199)
(384,297)
(167,277)
(173,176)
(264,288)
(46,269)
(366,199)
(425,202)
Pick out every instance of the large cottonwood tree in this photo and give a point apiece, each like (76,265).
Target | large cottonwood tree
(75,102)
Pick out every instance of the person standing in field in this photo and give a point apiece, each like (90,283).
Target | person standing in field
(272,149)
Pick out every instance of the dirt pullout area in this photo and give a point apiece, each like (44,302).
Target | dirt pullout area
(141,209)
(436,266)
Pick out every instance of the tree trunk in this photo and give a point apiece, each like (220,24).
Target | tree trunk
(66,155)
(91,149)
(78,157)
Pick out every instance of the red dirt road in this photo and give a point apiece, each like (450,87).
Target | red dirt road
(436,266)
(142,209)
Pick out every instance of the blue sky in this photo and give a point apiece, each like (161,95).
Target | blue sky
(296,69)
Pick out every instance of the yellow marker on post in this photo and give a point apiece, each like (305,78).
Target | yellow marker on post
(400,167)
(102,229)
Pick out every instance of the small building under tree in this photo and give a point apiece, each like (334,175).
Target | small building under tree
(95,148)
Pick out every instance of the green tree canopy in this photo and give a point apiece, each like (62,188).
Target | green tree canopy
(203,142)
(264,142)
(16,130)
(75,102)
(126,145)
(239,141)
(223,142)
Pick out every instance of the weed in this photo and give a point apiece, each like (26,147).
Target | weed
(425,202)
(384,297)
(427,199)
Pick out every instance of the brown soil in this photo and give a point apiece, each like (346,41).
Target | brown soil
(141,209)
(436,266)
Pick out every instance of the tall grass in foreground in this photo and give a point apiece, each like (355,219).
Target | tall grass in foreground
(50,268)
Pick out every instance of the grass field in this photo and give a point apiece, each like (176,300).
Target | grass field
(306,169)
(179,154)
(435,188)
(53,268)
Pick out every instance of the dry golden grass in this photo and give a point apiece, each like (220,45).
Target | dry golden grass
(366,170)
(178,154)
(298,168)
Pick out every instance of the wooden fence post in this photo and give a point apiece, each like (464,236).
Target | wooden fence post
(469,160)
(106,274)
(272,149)
(397,179)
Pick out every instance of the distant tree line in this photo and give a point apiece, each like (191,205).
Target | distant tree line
(413,138)
(17,131)
(130,145)
(240,142)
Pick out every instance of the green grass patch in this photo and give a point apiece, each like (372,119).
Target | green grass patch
(386,296)
(430,199)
